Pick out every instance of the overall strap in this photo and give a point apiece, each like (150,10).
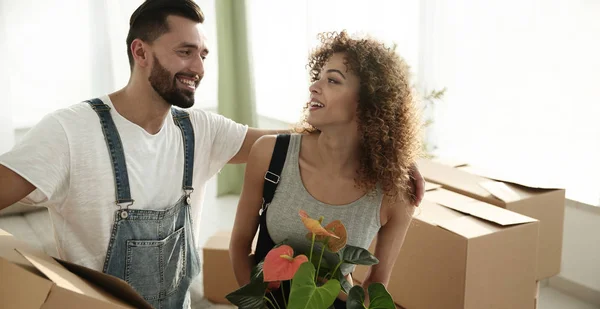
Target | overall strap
(115,150)
(273,175)
(182,120)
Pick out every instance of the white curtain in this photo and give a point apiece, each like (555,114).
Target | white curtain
(6,127)
(522,78)
(57,53)
(521,75)
(284,32)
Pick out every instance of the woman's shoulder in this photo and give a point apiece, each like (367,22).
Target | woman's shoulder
(262,148)
(396,208)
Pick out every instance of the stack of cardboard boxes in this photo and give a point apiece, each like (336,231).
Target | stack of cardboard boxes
(475,242)
(478,242)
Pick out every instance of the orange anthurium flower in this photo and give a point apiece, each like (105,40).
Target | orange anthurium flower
(314,226)
(280,265)
(333,244)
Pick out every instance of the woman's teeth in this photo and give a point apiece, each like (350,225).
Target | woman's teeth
(316,104)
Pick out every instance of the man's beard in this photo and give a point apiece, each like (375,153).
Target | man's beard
(166,87)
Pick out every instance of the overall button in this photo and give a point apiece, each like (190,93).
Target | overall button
(124,214)
(188,200)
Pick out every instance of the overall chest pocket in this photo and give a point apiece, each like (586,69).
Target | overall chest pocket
(154,268)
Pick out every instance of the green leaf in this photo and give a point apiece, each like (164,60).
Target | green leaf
(257,272)
(356,298)
(306,295)
(379,297)
(346,286)
(250,296)
(357,255)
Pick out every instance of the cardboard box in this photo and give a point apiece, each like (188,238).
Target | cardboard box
(217,271)
(31,279)
(528,197)
(460,253)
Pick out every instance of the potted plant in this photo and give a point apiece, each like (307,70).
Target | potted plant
(313,282)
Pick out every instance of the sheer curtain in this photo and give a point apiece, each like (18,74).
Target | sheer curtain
(284,32)
(522,80)
(521,75)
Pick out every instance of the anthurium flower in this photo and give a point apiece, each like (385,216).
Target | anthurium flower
(273,285)
(314,226)
(333,244)
(280,264)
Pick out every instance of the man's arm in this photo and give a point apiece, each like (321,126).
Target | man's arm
(253,134)
(418,183)
(13,187)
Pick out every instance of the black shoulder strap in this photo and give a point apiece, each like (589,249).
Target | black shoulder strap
(273,175)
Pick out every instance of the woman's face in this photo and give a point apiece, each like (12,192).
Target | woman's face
(334,96)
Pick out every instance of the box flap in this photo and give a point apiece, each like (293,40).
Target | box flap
(60,298)
(8,244)
(435,214)
(454,221)
(450,162)
(20,288)
(431,186)
(514,176)
(470,227)
(471,184)
(110,284)
(66,279)
(500,190)
(476,208)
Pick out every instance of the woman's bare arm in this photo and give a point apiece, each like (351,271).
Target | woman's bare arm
(389,241)
(247,217)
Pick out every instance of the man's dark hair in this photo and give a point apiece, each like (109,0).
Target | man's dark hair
(149,21)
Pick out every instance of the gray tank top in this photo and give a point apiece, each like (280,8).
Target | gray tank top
(361,217)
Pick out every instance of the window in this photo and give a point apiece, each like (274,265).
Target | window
(282,34)
(59,55)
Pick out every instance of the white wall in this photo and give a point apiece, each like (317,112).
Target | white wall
(6,129)
(581,249)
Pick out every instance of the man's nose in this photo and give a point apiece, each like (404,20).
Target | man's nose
(198,66)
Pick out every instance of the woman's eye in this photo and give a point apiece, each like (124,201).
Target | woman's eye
(333,81)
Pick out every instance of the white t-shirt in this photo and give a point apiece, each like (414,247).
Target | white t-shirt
(66,158)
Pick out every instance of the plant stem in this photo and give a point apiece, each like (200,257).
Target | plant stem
(336,268)
(277,304)
(319,266)
(283,293)
(270,302)
(312,245)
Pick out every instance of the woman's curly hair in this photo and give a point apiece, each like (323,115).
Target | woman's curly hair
(388,120)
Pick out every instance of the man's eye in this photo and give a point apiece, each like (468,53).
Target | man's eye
(185,52)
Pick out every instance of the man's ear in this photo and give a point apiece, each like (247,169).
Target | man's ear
(140,53)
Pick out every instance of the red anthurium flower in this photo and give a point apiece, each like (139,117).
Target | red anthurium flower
(273,285)
(314,226)
(280,264)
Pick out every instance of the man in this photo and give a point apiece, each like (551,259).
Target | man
(117,173)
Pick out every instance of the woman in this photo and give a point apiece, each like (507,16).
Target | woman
(358,141)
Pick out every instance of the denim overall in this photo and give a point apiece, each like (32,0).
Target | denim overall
(152,250)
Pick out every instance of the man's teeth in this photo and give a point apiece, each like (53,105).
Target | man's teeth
(187,82)
(316,104)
